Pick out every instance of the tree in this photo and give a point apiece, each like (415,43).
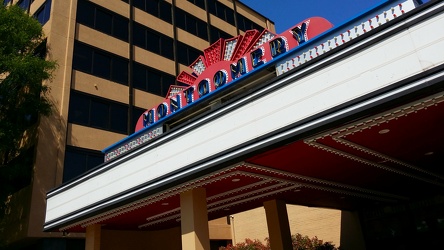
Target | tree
(23,97)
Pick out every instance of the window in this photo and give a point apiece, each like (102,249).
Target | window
(24,4)
(222,11)
(246,24)
(191,24)
(217,33)
(137,112)
(151,80)
(102,20)
(157,8)
(153,41)
(97,112)
(79,160)
(44,12)
(198,3)
(100,63)
(187,54)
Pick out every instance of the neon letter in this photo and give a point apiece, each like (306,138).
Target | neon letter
(299,33)
(189,94)
(238,69)
(219,79)
(162,110)
(203,87)
(175,104)
(256,57)
(277,46)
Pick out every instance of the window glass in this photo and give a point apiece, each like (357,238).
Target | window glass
(75,165)
(78,109)
(152,7)
(139,77)
(97,112)
(43,14)
(82,58)
(202,30)
(120,28)
(140,4)
(229,16)
(99,116)
(155,83)
(102,65)
(24,4)
(167,47)
(166,83)
(182,55)
(180,19)
(191,25)
(104,21)
(79,160)
(93,160)
(139,35)
(120,70)
(165,11)
(85,13)
(153,42)
(119,118)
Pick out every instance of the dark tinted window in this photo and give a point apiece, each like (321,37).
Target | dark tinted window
(191,24)
(80,160)
(198,3)
(222,11)
(24,4)
(153,41)
(151,80)
(79,109)
(82,58)
(217,33)
(157,8)
(246,24)
(186,54)
(43,13)
(100,63)
(97,112)
(103,20)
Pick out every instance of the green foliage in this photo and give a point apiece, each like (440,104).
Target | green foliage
(23,97)
(22,70)
(299,242)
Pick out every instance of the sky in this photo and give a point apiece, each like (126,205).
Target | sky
(287,13)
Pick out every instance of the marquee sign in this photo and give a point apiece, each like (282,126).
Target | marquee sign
(229,59)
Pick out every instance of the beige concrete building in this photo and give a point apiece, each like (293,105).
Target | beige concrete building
(115,59)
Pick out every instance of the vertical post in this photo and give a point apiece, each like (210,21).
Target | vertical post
(278,226)
(194,220)
(93,236)
(351,231)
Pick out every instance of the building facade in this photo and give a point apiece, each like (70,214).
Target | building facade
(350,119)
(115,58)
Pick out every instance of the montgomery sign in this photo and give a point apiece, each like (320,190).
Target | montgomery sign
(228,60)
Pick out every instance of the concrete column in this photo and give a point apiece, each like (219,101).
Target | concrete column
(278,226)
(93,236)
(194,220)
(351,232)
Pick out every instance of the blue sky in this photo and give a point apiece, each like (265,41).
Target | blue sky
(286,13)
